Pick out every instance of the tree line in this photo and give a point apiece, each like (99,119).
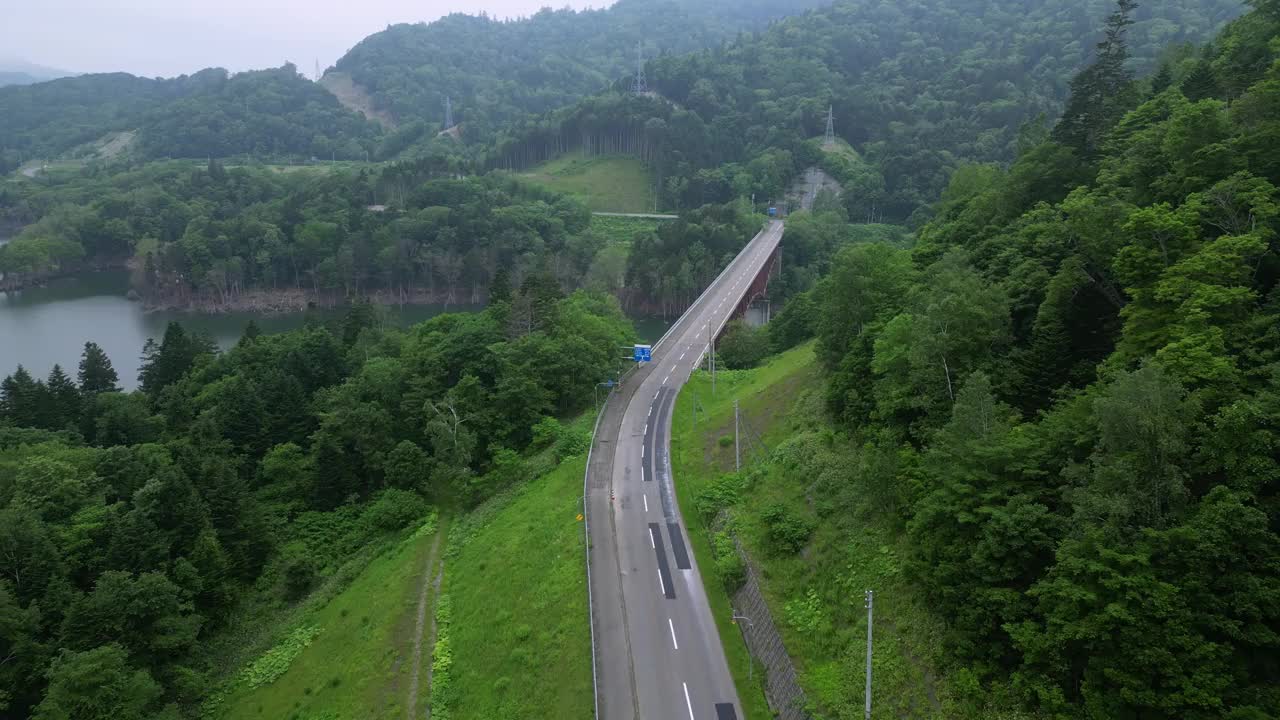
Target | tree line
(206,235)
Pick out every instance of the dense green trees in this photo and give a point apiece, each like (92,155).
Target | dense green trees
(131,524)
(273,113)
(1076,370)
(917,88)
(206,236)
(496,70)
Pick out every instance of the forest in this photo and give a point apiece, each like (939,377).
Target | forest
(273,113)
(134,527)
(200,236)
(916,88)
(497,70)
(1067,394)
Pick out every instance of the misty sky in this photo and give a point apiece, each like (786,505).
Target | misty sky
(173,37)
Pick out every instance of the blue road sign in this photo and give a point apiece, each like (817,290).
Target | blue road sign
(644,353)
(608,383)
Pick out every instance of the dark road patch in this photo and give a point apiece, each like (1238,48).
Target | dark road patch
(725,711)
(664,567)
(677,547)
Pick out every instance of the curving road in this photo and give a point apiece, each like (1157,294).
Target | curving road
(658,653)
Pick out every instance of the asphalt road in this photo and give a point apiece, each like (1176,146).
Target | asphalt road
(658,652)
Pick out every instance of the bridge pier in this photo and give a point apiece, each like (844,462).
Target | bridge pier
(756,307)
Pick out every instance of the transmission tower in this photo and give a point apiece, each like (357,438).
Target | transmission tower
(318,70)
(448,112)
(641,86)
(830,140)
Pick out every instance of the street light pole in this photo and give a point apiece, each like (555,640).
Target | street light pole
(870,597)
(751,663)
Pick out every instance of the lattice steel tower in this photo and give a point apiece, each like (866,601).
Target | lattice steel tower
(830,140)
(641,86)
(448,112)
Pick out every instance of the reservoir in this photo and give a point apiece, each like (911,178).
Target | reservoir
(46,325)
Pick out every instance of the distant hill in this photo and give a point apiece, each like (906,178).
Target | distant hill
(265,113)
(16,78)
(15,71)
(496,70)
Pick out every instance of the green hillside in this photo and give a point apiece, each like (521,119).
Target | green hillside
(515,577)
(352,656)
(495,71)
(609,183)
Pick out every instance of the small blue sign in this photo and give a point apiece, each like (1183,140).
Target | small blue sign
(644,353)
(608,383)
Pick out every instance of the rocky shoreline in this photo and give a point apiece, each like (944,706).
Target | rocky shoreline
(291,300)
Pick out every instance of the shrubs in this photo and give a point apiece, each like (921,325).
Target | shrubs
(729,566)
(394,509)
(786,531)
(299,576)
(742,347)
(567,441)
(722,493)
(276,661)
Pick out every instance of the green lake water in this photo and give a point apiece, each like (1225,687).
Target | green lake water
(46,325)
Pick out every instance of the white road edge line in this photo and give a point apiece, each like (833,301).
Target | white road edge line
(641,473)
(673,633)
(646,502)
(652,546)
(660,583)
(688,703)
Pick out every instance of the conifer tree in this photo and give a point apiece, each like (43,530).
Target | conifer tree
(1201,84)
(20,397)
(64,399)
(1162,79)
(96,373)
(1100,94)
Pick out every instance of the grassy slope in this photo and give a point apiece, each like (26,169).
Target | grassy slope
(697,458)
(843,557)
(606,184)
(622,230)
(842,147)
(359,665)
(516,578)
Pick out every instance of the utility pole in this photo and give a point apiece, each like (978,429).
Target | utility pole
(737,453)
(641,85)
(870,602)
(713,367)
